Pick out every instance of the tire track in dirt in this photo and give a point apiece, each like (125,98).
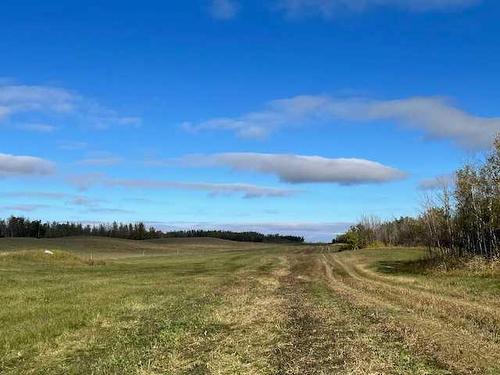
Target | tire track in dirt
(300,351)
(363,271)
(449,344)
(325,335)
(420,285)
(479,320)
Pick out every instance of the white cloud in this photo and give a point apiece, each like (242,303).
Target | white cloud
(19,98)
(435,116)
(12,165)
(247,190)
(224,9)
(328,8)
(100,162)
(48,100)
(302,169)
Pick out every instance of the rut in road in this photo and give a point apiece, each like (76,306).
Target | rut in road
(482,320)
(326,334)
(459,334)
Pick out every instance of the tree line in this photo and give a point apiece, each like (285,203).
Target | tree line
(459,220)
(235,236)
(23,227)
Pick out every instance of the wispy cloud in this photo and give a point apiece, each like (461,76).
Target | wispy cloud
(19,98)
(24,207)
(49,100)
(139,201)
(228,9)
(72,145)
(329,8)
(37,127)
(100,162)
(437,117)
(84,182)
(300,168)
(224,9)
(71,201)
(35,194)
(13,165)
(104,210)
(84,201)
(438,182)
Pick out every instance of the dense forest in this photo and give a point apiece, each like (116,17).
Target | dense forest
(23,227)
(459,220)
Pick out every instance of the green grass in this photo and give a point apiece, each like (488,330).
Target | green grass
(473,276)
(203,306)
(118,248)
(62,315)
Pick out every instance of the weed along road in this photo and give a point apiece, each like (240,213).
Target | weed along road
(207,306)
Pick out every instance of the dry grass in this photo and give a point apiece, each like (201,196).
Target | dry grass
(327,334)
(448,265)
(459,334)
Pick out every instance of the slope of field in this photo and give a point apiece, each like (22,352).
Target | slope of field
(219,307)
(102,247)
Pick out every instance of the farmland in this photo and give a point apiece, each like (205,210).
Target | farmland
(208,306)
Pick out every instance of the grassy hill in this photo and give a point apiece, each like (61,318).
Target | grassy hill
(103,247)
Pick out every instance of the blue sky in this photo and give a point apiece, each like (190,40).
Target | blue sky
(293,116)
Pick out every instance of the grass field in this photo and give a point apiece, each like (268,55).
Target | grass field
(209,306)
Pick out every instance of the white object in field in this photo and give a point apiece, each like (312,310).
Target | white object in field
(48,252)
